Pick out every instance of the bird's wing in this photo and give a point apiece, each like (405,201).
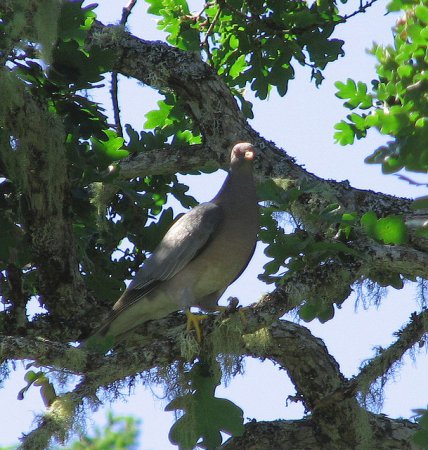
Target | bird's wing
(183,241)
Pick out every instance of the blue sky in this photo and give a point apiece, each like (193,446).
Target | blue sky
(352,334)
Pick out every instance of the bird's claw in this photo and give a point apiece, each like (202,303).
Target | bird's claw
(193,321)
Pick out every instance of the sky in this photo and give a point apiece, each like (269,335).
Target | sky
(354,332)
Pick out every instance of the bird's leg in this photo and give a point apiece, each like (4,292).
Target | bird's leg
(193,321)
(231,308)
(233,304)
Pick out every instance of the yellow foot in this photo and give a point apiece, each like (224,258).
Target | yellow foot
(193,321)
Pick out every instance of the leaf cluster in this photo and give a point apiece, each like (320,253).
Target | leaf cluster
(295,248)
(108,215)
(255,43)
(397,104)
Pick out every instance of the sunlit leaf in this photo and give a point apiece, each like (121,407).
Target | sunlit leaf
(391,230)
(205,416)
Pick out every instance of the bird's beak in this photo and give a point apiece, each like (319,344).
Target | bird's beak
(249,155)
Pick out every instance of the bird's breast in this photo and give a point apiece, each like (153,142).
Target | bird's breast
(217,265)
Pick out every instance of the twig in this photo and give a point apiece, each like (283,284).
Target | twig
(361,9)
(126,11)
(115,101)
(211,27)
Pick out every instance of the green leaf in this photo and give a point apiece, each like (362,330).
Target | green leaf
(346,90)
(345,134)
(205,416)
(326,313)
(405,71)
(47,389)
(308,311)
(349,217)
(75,21)
(238,66)
(347,223)
(355,93)
(391,164)
(110,150)
(158,118)
(359,121)
(368,222)
(421,12)
(155,7)
(31,376)
(391,230)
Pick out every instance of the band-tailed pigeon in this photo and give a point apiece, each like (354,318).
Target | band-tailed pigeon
(199,257)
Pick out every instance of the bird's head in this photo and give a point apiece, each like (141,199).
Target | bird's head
(243,152)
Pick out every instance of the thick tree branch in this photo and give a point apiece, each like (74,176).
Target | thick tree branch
(399,259)
(388,434)
(170,160)
(337,421)
(161,349)
(314,375)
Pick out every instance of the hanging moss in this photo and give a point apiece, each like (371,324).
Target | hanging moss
(226,344)
(46,26)
(259,341)
(189,346)
(14,128)
(33,21)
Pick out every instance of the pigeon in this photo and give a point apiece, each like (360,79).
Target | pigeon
(202,253)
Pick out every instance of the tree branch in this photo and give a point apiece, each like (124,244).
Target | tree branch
(388,434)
(59,419)
(361,9)
(408,337)
(167,160)
(337,421)
(315,375)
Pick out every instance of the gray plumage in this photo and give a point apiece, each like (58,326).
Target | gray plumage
(198,258)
